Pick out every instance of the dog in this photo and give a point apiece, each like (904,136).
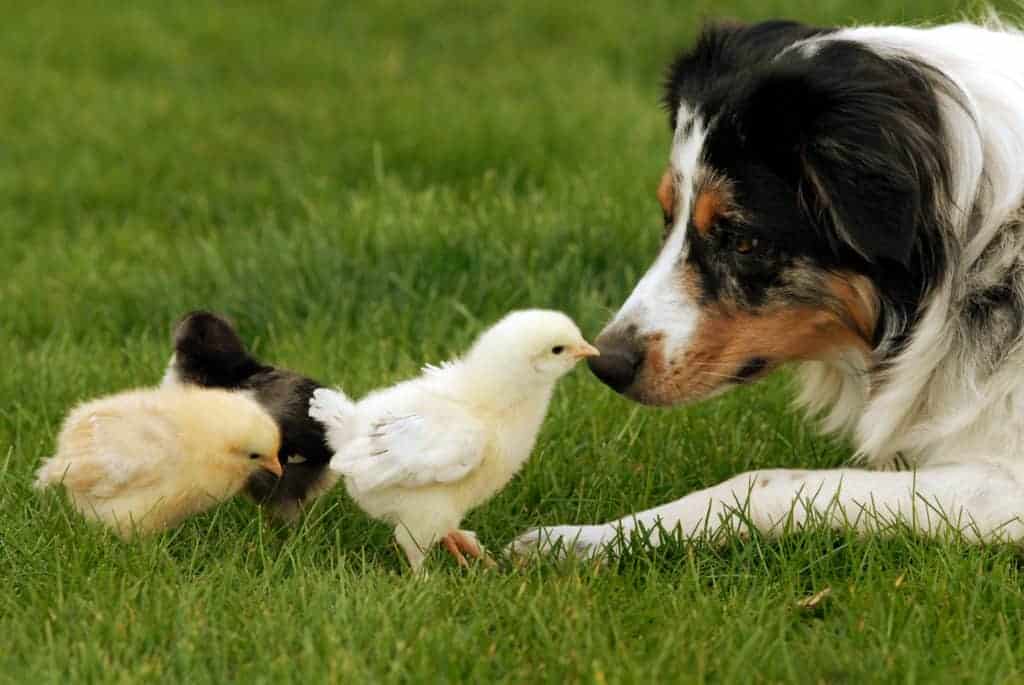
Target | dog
(849,201)
(208,352)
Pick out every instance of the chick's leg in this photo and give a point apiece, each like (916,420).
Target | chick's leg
(415,544)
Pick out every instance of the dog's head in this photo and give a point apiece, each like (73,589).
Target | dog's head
(806,184)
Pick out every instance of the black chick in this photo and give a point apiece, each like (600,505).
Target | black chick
(208,352)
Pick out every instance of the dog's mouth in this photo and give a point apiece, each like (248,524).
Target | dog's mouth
(719,346)
(684,382)
(752,370)
(642,371)
(721,353)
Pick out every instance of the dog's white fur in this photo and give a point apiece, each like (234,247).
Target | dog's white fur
(958,426)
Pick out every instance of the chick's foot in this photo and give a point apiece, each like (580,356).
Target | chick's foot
(458,542)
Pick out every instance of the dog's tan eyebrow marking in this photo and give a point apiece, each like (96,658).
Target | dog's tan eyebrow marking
(709,206)
(714,200)
(667,193)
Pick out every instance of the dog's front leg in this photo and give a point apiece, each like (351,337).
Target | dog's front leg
(981,501)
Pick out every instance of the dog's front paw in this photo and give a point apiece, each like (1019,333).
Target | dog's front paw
(581,542)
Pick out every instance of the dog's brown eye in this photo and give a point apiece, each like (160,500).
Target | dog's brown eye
(745,245)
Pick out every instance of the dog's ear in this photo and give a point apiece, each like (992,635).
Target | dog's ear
(860,137)
(726,50)
(696,70)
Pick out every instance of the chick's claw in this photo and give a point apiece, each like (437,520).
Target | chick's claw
(453,548)
(459,541)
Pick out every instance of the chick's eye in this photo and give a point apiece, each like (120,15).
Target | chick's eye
(254,456)
(558,349)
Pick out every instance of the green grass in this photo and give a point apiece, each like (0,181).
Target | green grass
(363,188)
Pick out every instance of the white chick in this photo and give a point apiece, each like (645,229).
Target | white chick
(143,460)
(423,453)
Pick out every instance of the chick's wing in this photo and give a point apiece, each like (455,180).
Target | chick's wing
(413,449)
(125,451)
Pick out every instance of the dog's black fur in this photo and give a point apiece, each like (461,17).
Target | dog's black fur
(855,138)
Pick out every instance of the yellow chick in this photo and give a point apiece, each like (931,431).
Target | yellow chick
(142,461)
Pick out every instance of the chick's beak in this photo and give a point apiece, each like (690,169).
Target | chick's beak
(585,350)
(274,466)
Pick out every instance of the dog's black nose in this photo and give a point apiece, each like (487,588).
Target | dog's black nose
(620,360)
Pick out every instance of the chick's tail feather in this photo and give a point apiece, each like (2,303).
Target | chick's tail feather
(337,413)
(364,472)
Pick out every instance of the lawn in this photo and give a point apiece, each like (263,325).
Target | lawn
(363,188)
